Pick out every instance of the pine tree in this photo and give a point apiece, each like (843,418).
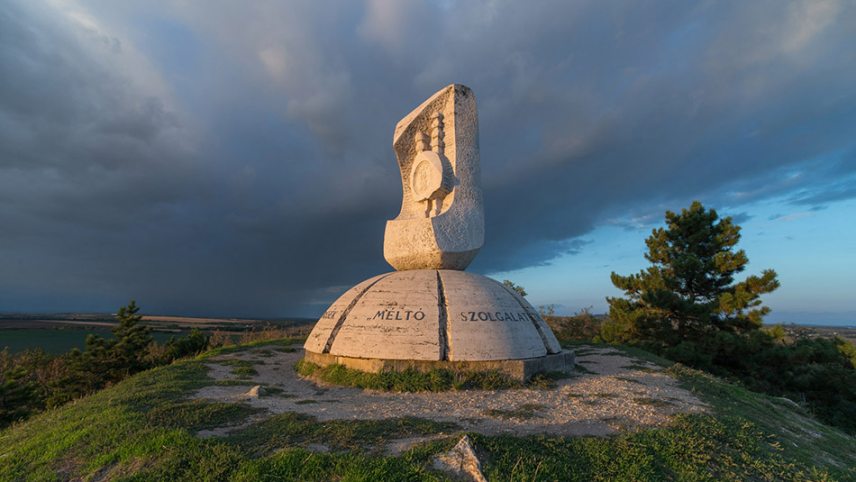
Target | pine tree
(689,292)
(19,395)
(132,339)
(104,360)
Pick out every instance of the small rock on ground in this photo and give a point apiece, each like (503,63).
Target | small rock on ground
(461,461)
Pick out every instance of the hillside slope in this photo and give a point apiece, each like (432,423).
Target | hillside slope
(158,425)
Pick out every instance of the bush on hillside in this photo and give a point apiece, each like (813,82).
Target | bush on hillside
(582,326)
(33,380)
(688,307)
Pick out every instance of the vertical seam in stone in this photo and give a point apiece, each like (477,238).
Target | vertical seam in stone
(443,319)
(344,315)
(531,317)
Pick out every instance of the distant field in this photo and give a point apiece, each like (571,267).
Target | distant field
(811,331)
(55,340)
(59,333)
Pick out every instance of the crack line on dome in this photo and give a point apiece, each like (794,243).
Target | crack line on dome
(531,317)
(443,318)
(344,315)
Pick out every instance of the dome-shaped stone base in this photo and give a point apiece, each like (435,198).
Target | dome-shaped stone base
(431,316)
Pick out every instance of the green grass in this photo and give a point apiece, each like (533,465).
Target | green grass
(244,372)
(234,383)
(694,447)
(547,380)
(409,380)
(302,465)
(144,428)
(126,425)
(242,369)
(800,437)
(291,429)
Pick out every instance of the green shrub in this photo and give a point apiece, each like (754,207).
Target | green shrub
(33,380)
(687,307)
(583,326)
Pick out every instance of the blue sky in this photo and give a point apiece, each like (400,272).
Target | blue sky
(234,159)
(812,251)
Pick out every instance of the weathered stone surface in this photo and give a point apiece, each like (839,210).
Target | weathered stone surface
(252,392)
(461,461)
(550,341)
(396,318)
(432,315)
(441,223)
(326,325)
(489,322)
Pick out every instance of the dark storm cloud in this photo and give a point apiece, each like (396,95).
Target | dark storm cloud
(235,158)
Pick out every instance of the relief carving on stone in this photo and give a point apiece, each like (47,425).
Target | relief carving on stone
(441,223)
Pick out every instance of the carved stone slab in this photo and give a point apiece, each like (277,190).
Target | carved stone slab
(432,315)
(396,319)
(325,326)
(488,322)
(441,223)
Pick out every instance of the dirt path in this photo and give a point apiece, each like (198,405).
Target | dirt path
(609,392)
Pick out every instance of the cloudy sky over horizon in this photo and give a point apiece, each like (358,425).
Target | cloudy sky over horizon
(234,158)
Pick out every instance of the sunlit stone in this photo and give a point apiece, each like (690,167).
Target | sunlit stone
(441,223)
(430,313)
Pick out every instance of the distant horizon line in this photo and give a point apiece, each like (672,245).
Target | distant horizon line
(46,314)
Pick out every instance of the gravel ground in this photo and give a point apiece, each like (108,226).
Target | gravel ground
(609,392)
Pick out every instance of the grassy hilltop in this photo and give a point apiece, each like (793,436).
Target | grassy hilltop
(148,428)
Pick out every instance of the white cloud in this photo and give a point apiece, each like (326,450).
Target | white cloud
(274,61)
(807,20)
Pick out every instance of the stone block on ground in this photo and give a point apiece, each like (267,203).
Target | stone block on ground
(461,461)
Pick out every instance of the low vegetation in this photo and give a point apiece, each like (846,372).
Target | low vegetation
(409,380)
(688,308)
(33,380)
(693,447)
(581,327)
(146,428)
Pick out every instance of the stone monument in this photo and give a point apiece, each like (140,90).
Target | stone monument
(430,313)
